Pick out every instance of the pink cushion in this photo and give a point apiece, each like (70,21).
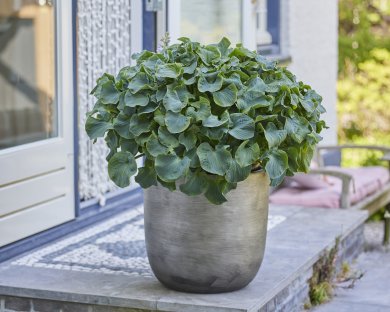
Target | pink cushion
(309,181)
(367,181)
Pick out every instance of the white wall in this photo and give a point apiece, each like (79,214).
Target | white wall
(312,45)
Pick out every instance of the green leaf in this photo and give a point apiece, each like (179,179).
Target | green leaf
(213,121)
(236,173)
(96,128)
(274,136)
(172,101)
(213,161)
(128,145)
(210,83)
(121,167)
(297,128)
(108,93)
(226,97)
(216,133)
(195,183)
(265,117)
(146,176)
(112,142)
(166,138)
(223,46)
(209,54)
(277,164)
(139,125)
(203,110)
(169,185)
(151,107)
(172,70)
(122,126)
(251,100)
(176,123)
(133,100)
(171,167)
(257,85)
(139,82)
(214,192)
(247,155)
(154,146)
(188,139)
(191,154)
(243,127)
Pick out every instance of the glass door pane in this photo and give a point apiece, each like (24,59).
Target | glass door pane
(208,21)
(28,111)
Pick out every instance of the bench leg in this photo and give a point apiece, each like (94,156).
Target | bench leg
(386,238)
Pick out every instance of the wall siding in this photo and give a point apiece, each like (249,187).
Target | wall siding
(104,45)
(313,34)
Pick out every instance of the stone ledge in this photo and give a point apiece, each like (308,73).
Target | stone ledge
(281,284)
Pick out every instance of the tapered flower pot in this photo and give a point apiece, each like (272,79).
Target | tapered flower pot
(195,246)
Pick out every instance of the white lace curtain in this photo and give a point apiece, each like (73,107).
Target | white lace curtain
(104,45)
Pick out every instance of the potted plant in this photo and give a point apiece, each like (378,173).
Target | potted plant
(215,125)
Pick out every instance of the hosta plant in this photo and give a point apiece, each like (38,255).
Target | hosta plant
(203,118)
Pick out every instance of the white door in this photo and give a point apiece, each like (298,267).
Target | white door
(208,21)
(36,117)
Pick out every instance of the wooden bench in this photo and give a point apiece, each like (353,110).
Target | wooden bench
(371,203)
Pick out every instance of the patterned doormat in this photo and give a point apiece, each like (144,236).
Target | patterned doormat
(114,246)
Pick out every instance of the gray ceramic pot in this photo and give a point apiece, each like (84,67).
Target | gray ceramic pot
(195,246)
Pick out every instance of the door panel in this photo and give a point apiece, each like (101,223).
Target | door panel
(36,117)
(38,218)
(29,192)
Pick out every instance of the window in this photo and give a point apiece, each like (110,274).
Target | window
(268,26)
(27,72)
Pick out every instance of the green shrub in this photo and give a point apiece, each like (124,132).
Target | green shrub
(206,116)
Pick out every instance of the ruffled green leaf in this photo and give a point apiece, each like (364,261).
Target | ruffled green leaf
(146,176)
(243,127)
(247,153)
(96,128)
(169,70)
(277,164)
(209,54)
(195,183)
(274,136)
(108,93)
(210,83)
(167,139)
(226,97)
(133,100)
(236,173)
(214,192)
(171,167)
(172,101)
(154,146)
(188,139)
(122,126)
(212,160)
(213,121)
(139,82)
(176,123)
(139,125)
(121,167)
(297,128)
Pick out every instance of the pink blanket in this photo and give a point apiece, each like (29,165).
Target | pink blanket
(367,181)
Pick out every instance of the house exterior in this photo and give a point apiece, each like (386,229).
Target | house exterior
(53,180)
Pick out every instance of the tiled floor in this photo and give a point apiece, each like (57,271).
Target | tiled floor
(114,246)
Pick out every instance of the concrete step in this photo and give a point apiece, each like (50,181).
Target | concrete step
(104,267)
